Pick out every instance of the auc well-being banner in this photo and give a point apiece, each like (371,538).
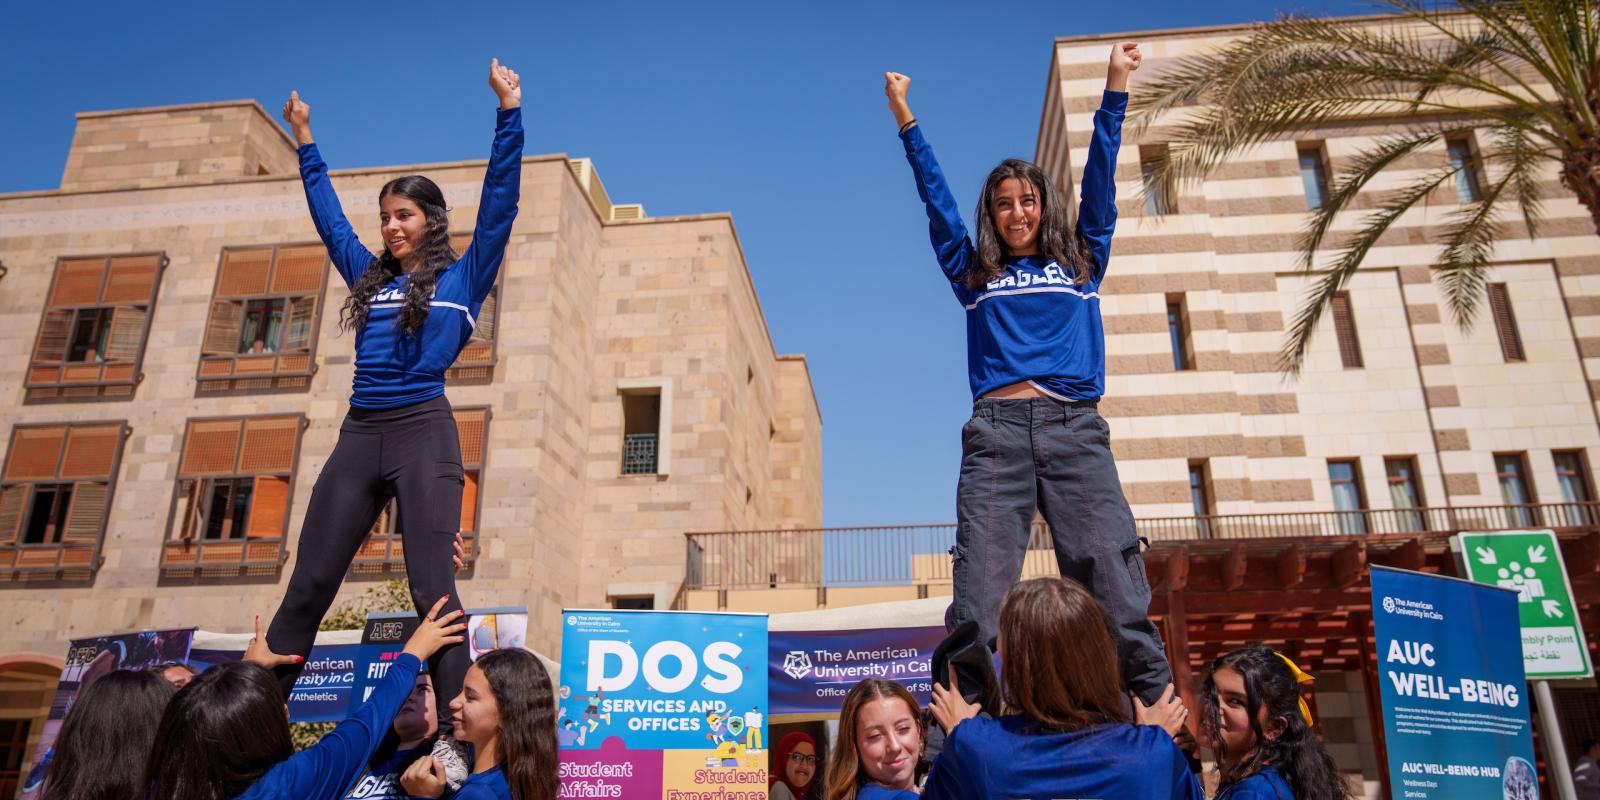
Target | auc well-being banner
(1455,705)
(663,704)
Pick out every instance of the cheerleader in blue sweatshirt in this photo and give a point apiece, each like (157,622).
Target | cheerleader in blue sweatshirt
(1260,727)
(226,734)
(1030,286)
(412,308)
(1063,731)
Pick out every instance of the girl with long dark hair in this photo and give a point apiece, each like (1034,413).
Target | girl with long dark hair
(507,712)
(412,307)
(1036,365)
(880,743)
(226,734)
(1064,729)
(100,752)
(1260,727)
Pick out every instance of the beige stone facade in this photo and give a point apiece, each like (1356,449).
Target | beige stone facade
(596,302)
(1450,400)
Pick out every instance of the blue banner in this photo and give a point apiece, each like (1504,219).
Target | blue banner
(324,689)
(1455,704)
(810,671)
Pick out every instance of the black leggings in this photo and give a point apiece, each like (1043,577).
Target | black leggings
(411,454)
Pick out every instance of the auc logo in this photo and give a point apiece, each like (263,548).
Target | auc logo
(1388,604)
(614,666)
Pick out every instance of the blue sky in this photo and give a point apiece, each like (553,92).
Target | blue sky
(772,111)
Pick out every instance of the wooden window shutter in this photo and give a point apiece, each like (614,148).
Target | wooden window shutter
(302,319)
(1344,324)
(127,333)
(210,447)
(222,329)
(470,424)
(269,445)
(91,452)
(487,316)
(299,270)
(131,280)
(269,507)
(87,516)
(54,330)
(244,272)
(78,282)
(12,500)
(1505,323)
(34,453)
(469,502)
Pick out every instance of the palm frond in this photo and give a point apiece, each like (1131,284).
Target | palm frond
(1469,237)
(1363,168)
(1354,250)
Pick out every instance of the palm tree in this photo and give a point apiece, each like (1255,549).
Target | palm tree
(1523,74)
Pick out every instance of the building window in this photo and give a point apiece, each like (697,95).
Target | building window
(643,602)
(1505,323)
(1178,333)
(13,751)
(1158,194)
(1348,499)
(91,338)
(641,432)
(1515,491)
(230,510)
(261,331)
(55,495)
(1577,491)
(1405,492)
(1344,327)
(475,363)
(1200,498)
(383,553)
(1464,159)
(1314,175)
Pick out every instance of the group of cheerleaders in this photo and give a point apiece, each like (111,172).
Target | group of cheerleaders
(1084,694)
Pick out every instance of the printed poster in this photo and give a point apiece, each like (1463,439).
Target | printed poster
(663,704)
(1455,701)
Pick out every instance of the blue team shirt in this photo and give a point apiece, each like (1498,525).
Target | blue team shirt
(1264,784)
(393,369)
(1033,323)
(325,770)
(487,785)
(875,791)
(1010,758)
(382,780)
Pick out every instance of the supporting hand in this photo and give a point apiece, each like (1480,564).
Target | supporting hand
(435,632)
(1168,714)
(949,707)
(259,653)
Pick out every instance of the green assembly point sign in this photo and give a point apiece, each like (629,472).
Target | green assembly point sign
(1530,563)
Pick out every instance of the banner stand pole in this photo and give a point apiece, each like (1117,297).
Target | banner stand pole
(1555,750)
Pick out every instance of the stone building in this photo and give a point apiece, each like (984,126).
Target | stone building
(173,379)
(1265,498)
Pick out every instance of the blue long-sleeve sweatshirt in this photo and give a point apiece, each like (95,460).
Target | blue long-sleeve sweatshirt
(487,785)
(393,369)
(1033,323)
(325,770)
(1264,784)
(1010,758)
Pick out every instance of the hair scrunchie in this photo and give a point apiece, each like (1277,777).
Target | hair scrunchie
(1300,677)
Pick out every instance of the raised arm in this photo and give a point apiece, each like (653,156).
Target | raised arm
(502,185)
(349,256)
(327,768)
(946,231)
(1097,209)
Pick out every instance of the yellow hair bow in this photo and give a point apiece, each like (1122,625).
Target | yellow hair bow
(1300,677)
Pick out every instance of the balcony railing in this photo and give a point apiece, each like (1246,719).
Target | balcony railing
(918,554)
